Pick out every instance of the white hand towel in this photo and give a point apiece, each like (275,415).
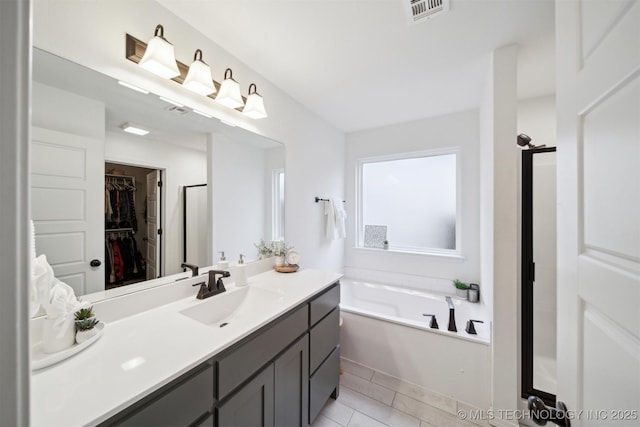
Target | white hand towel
(336,215)
(41,281)
(340,219)
(331,219)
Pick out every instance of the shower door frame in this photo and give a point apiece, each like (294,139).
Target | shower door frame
(528,277)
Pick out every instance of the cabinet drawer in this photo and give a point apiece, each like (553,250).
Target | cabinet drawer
(240,363)
(324,337)
(323,382)
(180,403)
(323,304)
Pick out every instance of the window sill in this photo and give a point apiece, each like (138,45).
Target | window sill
(452,256)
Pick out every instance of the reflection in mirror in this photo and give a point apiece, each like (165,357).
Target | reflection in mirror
(78,117)
(195,221)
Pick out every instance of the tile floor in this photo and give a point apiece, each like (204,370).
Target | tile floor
(370,398)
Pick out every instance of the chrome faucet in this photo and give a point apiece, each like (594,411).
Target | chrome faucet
(452,315)
(192,267)
(214,287)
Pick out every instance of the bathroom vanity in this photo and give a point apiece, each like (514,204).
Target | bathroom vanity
(273,359)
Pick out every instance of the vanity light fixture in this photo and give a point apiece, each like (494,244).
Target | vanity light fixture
(254,107)
(134,129)
(170,101)
(199,78)
(229,94)
(160,58)
(133,87)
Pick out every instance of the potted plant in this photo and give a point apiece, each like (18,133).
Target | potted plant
(280,249)
(462,289)
(385,244)
(264,250)
(85,324)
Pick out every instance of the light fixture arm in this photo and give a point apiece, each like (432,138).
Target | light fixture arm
(230,74)
(195,55)
(253,85)
(159,29)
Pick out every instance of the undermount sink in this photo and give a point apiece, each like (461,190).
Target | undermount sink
(232,304)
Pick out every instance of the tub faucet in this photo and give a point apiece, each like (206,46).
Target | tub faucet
(192,267)
(452,315)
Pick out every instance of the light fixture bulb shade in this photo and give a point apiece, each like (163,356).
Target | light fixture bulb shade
(229,94)
(199,79)
(160,58)
(254,107)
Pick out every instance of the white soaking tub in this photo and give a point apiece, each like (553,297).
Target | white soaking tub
(384,329)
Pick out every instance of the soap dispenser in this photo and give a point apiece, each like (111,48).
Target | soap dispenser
(222,263)
(241,273)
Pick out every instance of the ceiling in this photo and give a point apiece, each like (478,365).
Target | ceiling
(359,64)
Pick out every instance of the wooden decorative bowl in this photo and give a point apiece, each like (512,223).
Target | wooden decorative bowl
(287,268)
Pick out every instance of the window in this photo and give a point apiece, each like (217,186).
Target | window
(277,185)
(416,197)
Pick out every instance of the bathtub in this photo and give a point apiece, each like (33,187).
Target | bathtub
(384,329)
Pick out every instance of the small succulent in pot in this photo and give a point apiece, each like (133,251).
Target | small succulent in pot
(462,289)
(86,323)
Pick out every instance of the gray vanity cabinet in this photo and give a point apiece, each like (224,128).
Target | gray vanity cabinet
(280,375)
(324,350)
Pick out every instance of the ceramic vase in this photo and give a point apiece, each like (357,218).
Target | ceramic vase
(279,260)
(82,336)
(57,337)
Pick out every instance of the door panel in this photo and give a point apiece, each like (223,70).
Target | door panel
(67,202)
(598,105)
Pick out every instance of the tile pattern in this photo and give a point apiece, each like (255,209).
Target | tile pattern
(369,398)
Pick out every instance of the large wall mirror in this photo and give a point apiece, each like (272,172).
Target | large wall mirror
(93,184)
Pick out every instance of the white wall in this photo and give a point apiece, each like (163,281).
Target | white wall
(314,148)
(181,166)
(500,222)
(423,271)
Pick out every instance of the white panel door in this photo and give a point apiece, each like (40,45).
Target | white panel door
(154,238)
(67,206)
(598,149)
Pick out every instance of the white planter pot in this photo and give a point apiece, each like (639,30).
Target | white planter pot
(462,293)
(82,336)
(280,261)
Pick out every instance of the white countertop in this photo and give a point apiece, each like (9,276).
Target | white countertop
(139,354)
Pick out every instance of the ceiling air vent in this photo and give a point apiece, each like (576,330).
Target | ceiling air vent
(418,10)
(177,110)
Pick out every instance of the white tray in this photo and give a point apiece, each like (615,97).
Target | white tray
(40,359)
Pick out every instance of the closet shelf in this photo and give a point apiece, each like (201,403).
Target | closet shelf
(116,230)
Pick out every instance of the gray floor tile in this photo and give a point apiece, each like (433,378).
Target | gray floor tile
(376,410)
(361,420)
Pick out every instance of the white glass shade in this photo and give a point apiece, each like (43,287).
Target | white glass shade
(229,94)
(254,107)
(160,59)
(199,78)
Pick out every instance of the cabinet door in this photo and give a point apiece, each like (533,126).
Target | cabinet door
(182,402)
(251,405)
(292,385)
